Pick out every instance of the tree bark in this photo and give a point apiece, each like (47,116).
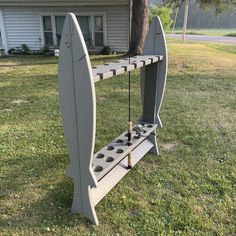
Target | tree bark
(138,26)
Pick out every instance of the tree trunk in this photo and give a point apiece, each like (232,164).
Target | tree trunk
(138,26)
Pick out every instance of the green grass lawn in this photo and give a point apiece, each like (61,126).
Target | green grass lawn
(190,189)
(210,32)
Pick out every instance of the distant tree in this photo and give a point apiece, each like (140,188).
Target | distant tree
(140,18)
(163,12)
(219,5)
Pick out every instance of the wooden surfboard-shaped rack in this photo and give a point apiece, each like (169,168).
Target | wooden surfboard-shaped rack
(94,175)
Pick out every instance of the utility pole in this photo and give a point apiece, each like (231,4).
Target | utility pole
(185,19)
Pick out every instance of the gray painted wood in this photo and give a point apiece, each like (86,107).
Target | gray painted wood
(109,156)
(119,171)
(121,66)
(94,175)
(78,109)
(153,77)
(155,44)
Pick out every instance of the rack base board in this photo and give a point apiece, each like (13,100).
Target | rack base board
(119,171)
(110,155)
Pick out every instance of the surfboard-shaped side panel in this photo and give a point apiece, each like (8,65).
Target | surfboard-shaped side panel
(155,44)
(77,101)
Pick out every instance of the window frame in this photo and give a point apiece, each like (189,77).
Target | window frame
(50,31)
(53,21)
(3,34)
(98,31)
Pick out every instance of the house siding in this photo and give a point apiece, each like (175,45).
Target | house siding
(22,25)
(29,3)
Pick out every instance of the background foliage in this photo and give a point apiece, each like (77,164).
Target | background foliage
(164,13)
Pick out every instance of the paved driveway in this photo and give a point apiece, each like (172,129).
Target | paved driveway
(216,39)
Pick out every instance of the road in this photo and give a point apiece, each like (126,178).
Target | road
(205,38)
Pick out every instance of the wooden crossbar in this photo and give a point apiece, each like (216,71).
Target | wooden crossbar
(111,69)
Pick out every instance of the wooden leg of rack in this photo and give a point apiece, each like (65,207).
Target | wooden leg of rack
(155,149)
(83,204)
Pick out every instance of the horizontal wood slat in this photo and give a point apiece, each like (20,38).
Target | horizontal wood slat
(106,71)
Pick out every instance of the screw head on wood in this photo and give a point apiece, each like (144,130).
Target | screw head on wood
(67,44)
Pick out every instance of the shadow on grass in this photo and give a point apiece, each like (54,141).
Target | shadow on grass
(51,208)
(29,64)
(17,61)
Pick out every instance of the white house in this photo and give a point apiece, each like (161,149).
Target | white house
(37,23)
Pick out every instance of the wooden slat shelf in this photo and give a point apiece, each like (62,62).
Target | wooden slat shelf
(108,70)
(109,156)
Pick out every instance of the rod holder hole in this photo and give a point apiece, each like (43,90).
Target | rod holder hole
(119,141)
(110,148)
(119,151)
(110,159)
(98,169)
(149,126)
(100,156)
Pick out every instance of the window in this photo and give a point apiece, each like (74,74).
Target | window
(86,28)
(98,31)
(1,43)
(59,20)
(48,33)
(92,27)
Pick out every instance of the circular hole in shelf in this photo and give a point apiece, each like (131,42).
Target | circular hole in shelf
(98,169)
(110,148)
(119,141)
(100,156)
(109,159)
(136,137)
(126,134)
(119,151)
(149,126)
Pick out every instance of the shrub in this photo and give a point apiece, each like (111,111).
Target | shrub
(25,50)
(45,50)
(11,51)
(164,13)
(106,50)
